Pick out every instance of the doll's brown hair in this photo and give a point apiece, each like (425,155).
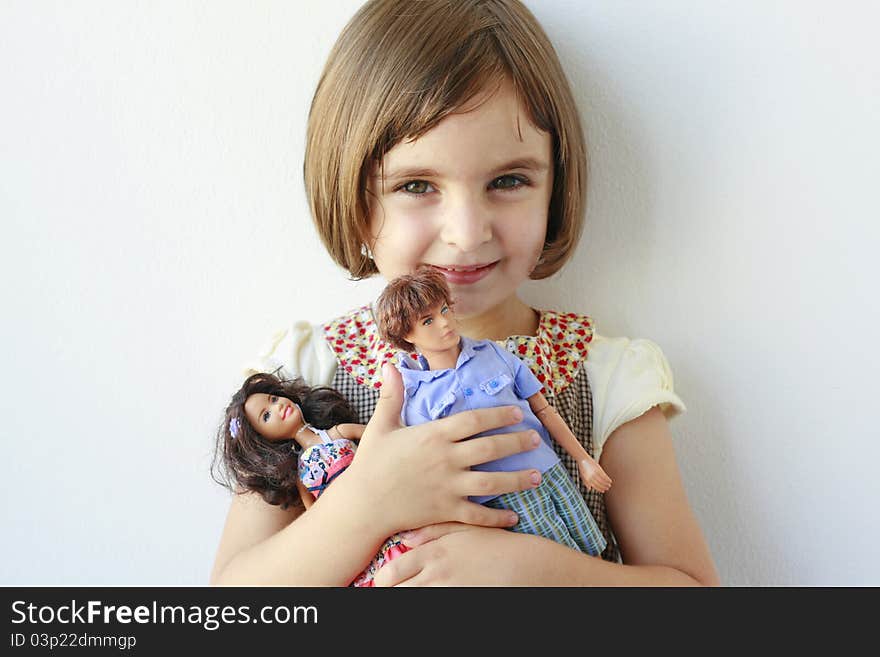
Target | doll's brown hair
(404,300)
(399,68)
(267,467)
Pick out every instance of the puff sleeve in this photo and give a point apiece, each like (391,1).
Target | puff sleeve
(627,378)
(299,350)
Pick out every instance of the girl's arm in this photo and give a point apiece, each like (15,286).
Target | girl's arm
(660,539)
(591,472)
(401,477)
(350,431)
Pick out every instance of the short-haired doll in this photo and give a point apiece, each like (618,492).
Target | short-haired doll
(452,373)
(288,442)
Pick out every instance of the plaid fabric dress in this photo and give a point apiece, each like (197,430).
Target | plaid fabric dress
(556,355)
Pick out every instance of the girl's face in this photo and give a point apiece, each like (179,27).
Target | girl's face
(470,198)
(273,417)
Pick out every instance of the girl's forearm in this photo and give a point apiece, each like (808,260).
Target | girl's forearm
(329,545)
(567,567)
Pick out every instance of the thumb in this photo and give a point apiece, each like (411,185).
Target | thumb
(386,416)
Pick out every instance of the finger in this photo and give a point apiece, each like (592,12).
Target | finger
(478,483)
(429,533)
(399,569)
(386,416)
(469,423)
(494,447)
(472,513)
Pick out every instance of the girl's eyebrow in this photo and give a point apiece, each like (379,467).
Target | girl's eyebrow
(529,163)
(405,172)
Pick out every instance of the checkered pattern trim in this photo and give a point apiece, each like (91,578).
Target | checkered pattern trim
(554,510)
(575,406)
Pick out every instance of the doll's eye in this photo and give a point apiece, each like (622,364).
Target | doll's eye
(427,322)
(266,416)
(272,399)
(444,310)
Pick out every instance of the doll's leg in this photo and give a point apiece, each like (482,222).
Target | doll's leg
(537,514)
(571,507)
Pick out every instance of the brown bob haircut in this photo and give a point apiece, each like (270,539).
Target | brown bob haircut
(399,68)
(404,300)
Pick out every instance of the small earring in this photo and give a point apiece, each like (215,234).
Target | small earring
(365,251)
(539,261)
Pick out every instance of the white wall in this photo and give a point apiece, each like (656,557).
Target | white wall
(155,232)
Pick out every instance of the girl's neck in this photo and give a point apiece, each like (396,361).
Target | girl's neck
(511,317)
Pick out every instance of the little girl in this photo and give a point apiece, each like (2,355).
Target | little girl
(288,442)
(445,134)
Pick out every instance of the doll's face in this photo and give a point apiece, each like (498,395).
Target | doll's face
(435,330)
(273,417)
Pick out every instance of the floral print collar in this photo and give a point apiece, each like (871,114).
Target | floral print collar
(554,355)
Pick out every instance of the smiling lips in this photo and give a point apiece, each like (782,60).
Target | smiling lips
(465,275)
(287,411)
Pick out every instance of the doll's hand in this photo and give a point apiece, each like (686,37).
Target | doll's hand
(420,475)
(593,476)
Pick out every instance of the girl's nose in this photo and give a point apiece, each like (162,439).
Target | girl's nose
(466,224)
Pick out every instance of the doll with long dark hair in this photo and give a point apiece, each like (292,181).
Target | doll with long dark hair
(288,441)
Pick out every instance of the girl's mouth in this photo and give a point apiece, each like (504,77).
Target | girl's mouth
(465,275)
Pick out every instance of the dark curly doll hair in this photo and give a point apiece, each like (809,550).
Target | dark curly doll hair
(270,467)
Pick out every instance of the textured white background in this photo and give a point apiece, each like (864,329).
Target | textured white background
(155,233)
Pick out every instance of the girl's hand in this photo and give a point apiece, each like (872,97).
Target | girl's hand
(454,554)
(420,475)
(593,476)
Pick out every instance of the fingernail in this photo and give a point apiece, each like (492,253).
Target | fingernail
(535,477)
(517,414)
(512,518)
(536,439)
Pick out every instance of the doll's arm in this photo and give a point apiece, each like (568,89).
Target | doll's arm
(350,431)
(307,498)
(591,472)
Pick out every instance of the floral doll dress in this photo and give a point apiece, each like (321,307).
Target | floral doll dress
(319,465)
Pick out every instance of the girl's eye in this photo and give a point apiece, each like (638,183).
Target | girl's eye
(508,182)
(416,187)
(266,416)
